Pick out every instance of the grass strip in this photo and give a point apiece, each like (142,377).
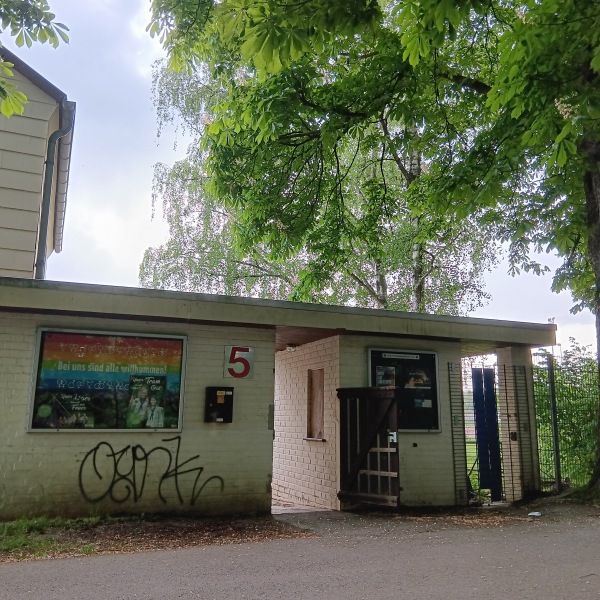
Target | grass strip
(43,536)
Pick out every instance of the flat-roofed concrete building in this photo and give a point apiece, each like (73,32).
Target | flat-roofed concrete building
(254,401)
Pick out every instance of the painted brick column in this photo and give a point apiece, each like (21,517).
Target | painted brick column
(516,411)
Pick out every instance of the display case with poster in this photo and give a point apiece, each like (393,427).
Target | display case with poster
(107,381)
(414,375)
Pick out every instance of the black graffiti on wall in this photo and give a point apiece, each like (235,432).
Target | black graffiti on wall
(121,474)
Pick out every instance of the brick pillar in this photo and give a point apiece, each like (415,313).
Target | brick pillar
(517,423)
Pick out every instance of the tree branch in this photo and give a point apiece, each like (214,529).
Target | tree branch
(386,132)
(473,84)
(367,286)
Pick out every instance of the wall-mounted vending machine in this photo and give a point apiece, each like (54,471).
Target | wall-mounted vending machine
(219,405)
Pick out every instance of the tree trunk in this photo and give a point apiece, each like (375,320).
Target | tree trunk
(381,285)
(418,280)
(592,198)
(418,271)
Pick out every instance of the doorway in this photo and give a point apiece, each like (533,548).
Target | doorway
(369,446)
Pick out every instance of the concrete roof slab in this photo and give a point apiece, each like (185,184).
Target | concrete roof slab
(295,322)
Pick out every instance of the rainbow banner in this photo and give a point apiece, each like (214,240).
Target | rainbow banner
(108,381)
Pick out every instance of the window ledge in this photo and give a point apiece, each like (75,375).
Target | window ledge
(309,439)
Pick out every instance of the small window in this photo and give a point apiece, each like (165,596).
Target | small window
(316,396)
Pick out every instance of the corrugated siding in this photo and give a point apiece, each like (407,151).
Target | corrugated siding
(23,142)
(21,261)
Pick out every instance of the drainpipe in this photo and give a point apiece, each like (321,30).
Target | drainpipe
(67,119)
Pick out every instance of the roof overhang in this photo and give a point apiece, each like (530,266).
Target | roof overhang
(295,323)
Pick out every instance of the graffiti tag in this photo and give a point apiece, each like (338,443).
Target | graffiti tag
(121,474)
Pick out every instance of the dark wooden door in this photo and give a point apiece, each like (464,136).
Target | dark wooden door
(368,446)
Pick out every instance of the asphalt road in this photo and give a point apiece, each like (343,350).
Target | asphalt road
(378,557)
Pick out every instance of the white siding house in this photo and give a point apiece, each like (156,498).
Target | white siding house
(25,141)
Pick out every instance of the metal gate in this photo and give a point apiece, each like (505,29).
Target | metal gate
(368,446)
(487,432)
(566,404)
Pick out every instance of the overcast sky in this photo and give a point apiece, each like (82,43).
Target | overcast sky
(106,70)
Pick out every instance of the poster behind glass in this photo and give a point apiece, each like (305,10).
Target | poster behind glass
(99,381)
(414,374)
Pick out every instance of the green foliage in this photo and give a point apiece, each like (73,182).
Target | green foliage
(200,254)
(31,21)
(489,110)
(542,131)
(576,388)
(288,153)
(500,100)
(11,99)
(357,248)
(28,21)
(269,35)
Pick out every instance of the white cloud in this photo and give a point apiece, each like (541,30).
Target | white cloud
(147,50)
(105,245)
(584,333)
(528,297)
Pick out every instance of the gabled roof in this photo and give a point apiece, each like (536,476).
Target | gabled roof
(33,76)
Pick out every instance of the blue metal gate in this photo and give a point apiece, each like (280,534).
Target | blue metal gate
(487,432)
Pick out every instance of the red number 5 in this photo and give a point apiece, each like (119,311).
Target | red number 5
(235,359)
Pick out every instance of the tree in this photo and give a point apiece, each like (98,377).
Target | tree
(200,254)
(524,75)
(375,267)
(28,21)
(302,125)
(544,123)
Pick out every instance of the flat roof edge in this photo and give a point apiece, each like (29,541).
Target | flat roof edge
(37,295)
